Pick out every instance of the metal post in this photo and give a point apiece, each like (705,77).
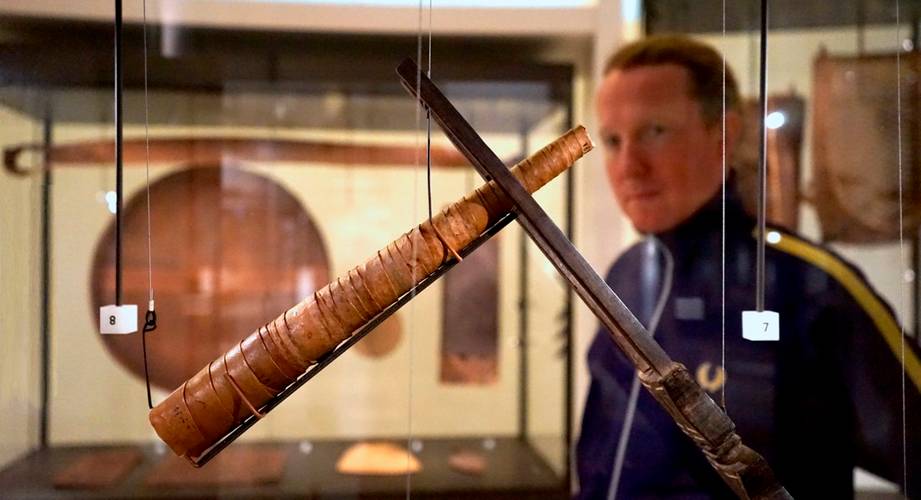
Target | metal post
(119,104)
(45,273)
(762,163)
(523,306)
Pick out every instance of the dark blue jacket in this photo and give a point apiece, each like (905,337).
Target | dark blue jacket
(825,398)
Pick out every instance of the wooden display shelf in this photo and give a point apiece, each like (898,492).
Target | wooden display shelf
(514,470)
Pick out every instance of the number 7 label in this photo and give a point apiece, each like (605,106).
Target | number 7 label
(757,326)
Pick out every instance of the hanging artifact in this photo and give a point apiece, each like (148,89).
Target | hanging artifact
(855,186)
(226,391)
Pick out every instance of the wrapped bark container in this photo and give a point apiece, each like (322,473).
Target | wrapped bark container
(216,399)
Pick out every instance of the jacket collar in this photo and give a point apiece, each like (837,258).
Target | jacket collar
(707,221)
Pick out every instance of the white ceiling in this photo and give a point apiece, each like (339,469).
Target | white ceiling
(557,18)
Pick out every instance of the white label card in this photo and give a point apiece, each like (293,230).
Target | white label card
(764,325)
(118,319)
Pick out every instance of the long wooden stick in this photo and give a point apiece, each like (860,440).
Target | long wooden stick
(204,408)
(206,151)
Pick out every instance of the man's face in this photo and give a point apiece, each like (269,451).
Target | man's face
(663,162)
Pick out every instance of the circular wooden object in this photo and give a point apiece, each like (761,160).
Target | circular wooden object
(382,340)
(231,251)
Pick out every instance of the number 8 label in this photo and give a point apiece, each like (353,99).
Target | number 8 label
(118,319)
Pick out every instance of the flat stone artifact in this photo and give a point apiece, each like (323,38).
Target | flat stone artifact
(96,470)
(468,462)
(246,466)
(377,459)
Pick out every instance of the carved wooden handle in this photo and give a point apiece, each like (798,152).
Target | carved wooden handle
(216,399)
(743,469)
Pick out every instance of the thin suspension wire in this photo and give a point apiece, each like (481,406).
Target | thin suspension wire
(147,162)
(762,164)
(409,432)
(898,93)
(723,227)
(630,413)
(428,118)
(411,332)
(150,318)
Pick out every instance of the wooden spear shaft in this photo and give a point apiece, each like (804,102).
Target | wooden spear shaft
(234,386)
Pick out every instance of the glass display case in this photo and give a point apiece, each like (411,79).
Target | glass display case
(252,178)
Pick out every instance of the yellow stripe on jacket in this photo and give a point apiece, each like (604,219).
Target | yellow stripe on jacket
(871,304)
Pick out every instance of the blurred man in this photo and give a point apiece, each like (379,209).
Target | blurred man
(825,398)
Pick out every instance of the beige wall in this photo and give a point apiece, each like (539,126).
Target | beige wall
(20,257)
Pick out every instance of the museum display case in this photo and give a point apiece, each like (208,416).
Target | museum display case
(246,191)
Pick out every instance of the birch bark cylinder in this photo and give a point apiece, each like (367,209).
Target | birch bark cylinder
(211,403)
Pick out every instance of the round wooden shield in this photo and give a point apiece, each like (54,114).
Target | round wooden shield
(231,251)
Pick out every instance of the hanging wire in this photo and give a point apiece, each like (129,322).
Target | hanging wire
(762,163)
(898,93)
(412,303)
(150,297)
(428,162)
(428,119)
(150,318)
(723,226)
(621,453)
